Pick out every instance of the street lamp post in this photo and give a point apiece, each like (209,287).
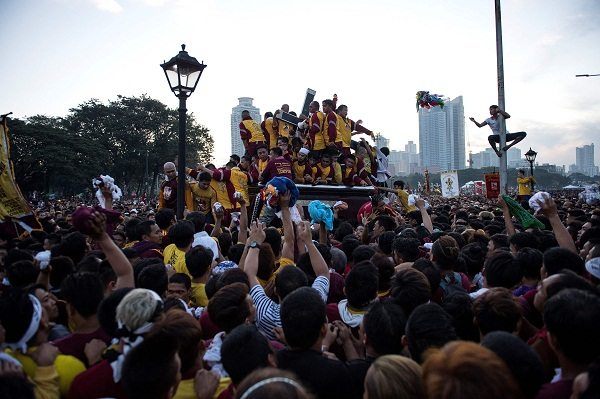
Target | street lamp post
(183,73)
(530,157)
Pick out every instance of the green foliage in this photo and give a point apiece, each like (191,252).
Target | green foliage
(62,155)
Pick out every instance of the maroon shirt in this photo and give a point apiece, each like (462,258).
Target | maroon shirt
(277,167)
(74,344)
(171,201)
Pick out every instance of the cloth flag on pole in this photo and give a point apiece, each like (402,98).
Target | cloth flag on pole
(492,185)
(14,209)
(450,186)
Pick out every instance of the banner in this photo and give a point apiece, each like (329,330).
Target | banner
(14,209)
(492,185)
(450,186)
(478,187)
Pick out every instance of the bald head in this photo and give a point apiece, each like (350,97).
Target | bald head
(170,170)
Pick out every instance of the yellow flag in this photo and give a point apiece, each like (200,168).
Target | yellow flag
(13,205)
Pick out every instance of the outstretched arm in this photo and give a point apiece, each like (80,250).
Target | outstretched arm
(316,260)
(420,204)
(116,258)
(477,123)
(564,239)
(508,223)
(257,233)
(288,227)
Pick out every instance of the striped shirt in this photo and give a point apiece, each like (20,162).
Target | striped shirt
(268,315)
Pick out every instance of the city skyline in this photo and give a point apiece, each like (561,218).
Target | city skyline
(402,47)
(442,136)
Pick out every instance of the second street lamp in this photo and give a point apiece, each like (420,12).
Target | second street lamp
(530,157)
(183,73)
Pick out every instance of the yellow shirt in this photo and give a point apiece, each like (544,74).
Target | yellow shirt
(175,257)
(67,367)
(204,199)
(198,295)
(524,184)
(222,196)
(186,389)
(344,128)
(255,131)
(319,143)
(272,133)
(403,198)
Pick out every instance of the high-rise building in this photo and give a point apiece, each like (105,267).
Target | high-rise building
(584,160)
(488,158)
(442,136)
(245,103)
(402,163)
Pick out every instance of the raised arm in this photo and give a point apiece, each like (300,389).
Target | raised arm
(288,227)
(257,234)
(510,227)
(316,260)
(243,233)
(115,257)
(420,204)
(564,239)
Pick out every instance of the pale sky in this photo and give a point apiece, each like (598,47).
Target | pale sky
(374,54)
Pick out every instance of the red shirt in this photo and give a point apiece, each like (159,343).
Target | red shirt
(277,167)
(74,344)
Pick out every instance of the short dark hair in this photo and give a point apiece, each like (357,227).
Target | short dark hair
(460,306)
(384,327)
(273,238)
(328,102)
(496,310)
(198,220)
(16,311)
(361,284)
(289,279)
(21,273)
(228,307)
(244,350)
(385,271)
(154,277)
(150,369)
(530,262)
(385,241)
(131,229)
(198,261)
(145,228)
(277,151)
(181,278)
(83,291)
(182,233)
(523,239)
(399,183)
(521,359)
(428,326)
(164,217)
(406,248)
(362,252)
(500,240)
(572,317)
(387,222)
(556,259)
(410,288)
(303,313)
(502,270)
(204,176)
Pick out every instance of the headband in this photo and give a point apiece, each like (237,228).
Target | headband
(269,381)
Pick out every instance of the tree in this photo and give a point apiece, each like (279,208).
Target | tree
(118,138)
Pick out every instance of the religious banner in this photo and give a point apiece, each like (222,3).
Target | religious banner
(492,185)
(13,206)
(478,187)
(450,187)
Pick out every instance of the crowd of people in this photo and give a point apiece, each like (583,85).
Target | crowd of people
(415,298)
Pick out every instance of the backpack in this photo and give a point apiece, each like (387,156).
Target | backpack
(451,282)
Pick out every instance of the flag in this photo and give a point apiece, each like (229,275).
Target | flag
(450,187)
(14,209)
(492,185)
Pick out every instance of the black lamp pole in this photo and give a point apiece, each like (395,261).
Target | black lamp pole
(530,157)
(183,73)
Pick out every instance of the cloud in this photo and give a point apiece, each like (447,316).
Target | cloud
(108,5)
